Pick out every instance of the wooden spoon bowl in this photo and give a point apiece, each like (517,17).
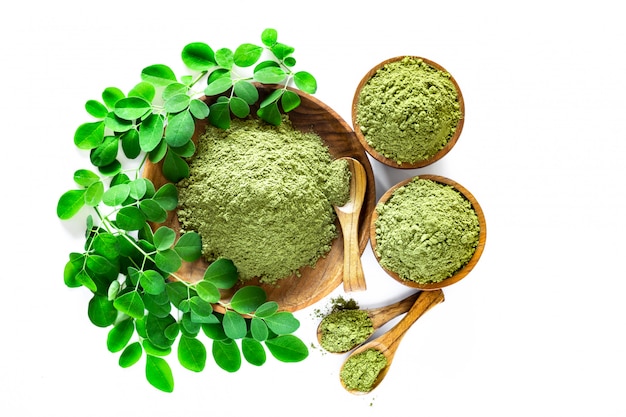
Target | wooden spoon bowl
(380,157)
(465,270)
(314,283)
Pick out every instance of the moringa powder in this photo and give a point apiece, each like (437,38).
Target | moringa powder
(426,231)
(262,196)
(360,371)
(408,110)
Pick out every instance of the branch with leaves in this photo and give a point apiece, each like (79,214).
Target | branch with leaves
(130,266)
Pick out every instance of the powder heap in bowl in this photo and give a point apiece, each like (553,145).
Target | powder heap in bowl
(408,110)
(426,231)
(262,196)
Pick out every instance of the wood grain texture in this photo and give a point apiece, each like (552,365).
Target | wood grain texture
(482,237)
(390,162)
(314,283)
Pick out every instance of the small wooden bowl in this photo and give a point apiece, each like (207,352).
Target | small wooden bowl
(390,162)
(461,273)
(295,293)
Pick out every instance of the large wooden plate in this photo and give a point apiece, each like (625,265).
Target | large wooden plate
(295,293)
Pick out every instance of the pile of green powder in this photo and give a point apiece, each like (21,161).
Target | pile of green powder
(343,330)
(262,196)
(408,111)
(426,231)
(361,370)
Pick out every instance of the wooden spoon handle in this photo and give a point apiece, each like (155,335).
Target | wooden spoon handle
(381,315)
(353,276)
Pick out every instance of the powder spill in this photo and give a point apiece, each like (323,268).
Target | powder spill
(361,370)
(426,231)
(408,110)
(262,196)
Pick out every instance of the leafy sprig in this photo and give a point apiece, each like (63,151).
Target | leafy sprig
(129,262)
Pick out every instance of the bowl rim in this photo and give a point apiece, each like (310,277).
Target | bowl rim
(464,270)
(390,162)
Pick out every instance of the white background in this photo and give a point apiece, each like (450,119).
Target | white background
(537,328)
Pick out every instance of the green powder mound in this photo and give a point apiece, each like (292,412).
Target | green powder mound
(262,196)
(408,111)
(426,231)
(361,370)
(343,330)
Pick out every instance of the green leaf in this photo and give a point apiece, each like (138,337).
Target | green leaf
(190,327)
(235,325)
(281,51)
(198,56)
(259,329)
(246,91)
(112,95)
(287,348)
(131,108)
(96,109)
(174,167)
(266,309)
(117,124)
(119,336)
(138,188)
(247,299)
(247,54)
(174,89)
(208,292)
(106,152)
(239,107)
(198,109)
(227,355)
(282,322)
(130,355)
(192,354)
(219,115)
(200,307)
(218,86)
(180,128)
(89,135)
(152,282)
(116,195)
(224,58)
(177,103)
(177,292)
(222,273)
(130,218)
(168,260)
(253,351)
(270,75)
(158,153)
(273,97)
(143,90)
(305,82)
(151,132)
(101,311)
(114,290)
(214,331)
(153,350)
(289,61)
(269,37)
(85,177)
(159,374)
(72,268)
(290,101)
(189,246)
(167,197)
(271,114)
(155,305)
(159,75)
(70,203)
(93,194)
(83,278)
(156,330)
(130,144)
(153,211)
(164,238)
(130,304)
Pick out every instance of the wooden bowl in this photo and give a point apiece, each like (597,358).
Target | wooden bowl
(294,293)
(461,273)
(390,162)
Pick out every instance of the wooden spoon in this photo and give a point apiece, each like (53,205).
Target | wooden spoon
(380,316)
(348,215)
(388,343)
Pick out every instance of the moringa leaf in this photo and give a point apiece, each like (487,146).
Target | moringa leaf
(289,101)
(164,238)
(192,354)
(89,135)
(222,273)
(269,37)
(130,304)
(143,90)
(219,115)
(119,336)
(131,108)
(116,195)
(253,351)
(234,324)
(152,282)
(168,260)
(247,299)
(239,107)
(151,132)
(159,374)
(159,75)
(101,311)
(112,95)
(259,329)
(96,109)
(130,218)
(130,355)
(282,322)
(189,246)
(198,109)
(70,203)
(270,75)
(198,56)
(174,167)
(208,292)
(226,354)
(180,128)
(247,54)
(246,91)
(167,196)
(287,348)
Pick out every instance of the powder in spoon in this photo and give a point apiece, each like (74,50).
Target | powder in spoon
(360,371)
(408,110)
(426,231)
(262,196)
(344,329)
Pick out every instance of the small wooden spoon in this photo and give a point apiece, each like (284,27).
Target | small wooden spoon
(388,343)
(380,316)
(348,215)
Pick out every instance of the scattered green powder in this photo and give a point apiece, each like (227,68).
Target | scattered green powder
(343,330)
(361,370)
(408,111)
(262,196)
(426,231)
